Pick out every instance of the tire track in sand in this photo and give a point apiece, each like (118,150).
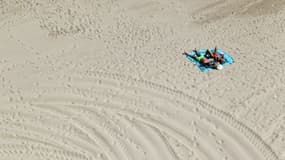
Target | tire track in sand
(119,117)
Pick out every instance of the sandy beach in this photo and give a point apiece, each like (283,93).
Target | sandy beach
(106,80)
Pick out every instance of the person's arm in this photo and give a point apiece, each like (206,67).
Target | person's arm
(216,49)
(196,52)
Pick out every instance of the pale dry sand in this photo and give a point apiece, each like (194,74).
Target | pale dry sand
(106,80)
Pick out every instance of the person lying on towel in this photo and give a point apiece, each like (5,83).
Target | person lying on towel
(217,57)
(203,60)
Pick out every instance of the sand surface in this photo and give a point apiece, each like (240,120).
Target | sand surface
(106,80)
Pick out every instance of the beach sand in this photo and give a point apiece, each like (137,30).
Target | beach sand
(106,80)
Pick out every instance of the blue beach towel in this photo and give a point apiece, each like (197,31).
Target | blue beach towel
(228,58)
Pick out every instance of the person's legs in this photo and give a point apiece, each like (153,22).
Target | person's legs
(210,53)
(207,54)
(194,57)
(197,52)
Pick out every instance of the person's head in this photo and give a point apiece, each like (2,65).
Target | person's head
(222,60)
(216,64)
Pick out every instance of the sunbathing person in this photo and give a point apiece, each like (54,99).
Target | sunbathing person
(203,60)
(198,57)
(217,57)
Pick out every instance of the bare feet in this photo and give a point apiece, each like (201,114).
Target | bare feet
(185,53)
(195,50)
